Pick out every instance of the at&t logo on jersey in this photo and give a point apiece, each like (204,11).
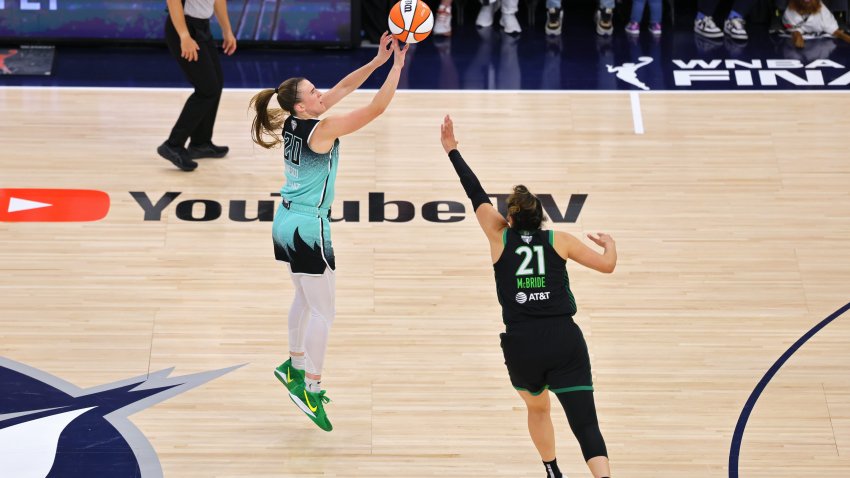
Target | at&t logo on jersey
(49,427)
(522,297)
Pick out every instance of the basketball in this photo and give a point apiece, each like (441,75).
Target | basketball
(411,21)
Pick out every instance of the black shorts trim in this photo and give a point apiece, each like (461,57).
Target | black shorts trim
(556,391)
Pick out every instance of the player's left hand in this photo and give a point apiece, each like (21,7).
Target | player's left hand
(602,240)
(229,44)
(447,134)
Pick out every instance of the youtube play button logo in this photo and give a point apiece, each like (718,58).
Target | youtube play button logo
(53,205)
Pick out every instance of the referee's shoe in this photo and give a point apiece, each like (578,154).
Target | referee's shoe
(208,150)
(177,155)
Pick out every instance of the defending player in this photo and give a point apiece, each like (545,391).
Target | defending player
(543,346)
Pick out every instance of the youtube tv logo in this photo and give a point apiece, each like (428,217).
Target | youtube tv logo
(53,205)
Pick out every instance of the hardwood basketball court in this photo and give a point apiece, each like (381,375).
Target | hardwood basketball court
(732,220)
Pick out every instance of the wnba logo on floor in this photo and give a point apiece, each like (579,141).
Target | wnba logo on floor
(757,72)
(726,73)
(50,427)
(627,72)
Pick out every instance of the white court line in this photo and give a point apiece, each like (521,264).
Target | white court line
(637,117)
(427,91)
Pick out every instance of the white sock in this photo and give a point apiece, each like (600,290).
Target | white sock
(298,361)
(313,386)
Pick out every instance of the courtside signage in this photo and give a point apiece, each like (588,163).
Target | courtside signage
(85,205)
(783,73)
(757,72)
(377,208)
(53,205)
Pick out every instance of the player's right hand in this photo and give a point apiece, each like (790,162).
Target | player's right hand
(399,53)
(447,134)
(189,48)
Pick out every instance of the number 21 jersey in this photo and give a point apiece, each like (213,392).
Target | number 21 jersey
(531,278)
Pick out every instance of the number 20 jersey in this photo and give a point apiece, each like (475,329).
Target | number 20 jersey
(531,278)
(310,176)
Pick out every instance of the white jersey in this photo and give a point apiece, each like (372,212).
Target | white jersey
(202,9)
(819,23)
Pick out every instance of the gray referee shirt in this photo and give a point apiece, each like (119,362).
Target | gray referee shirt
(198,8)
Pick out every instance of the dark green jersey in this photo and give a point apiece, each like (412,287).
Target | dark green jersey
(531,278)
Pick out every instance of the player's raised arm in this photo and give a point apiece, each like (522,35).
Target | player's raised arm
(356,78)
(334,127)
(491,222)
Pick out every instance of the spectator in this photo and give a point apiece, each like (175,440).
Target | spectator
(734,26)
(603,17)
(810,19)
(508,21)
(443,20)
(655,11)
(373,20)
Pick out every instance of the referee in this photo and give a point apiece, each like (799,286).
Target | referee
(188,36)
(544,349)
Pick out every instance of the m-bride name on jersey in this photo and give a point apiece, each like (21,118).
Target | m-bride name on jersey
(537,282)
(771,72)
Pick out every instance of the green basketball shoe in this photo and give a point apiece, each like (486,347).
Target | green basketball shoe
(312,404)
(288,375)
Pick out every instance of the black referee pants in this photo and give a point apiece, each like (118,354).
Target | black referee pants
(197,119)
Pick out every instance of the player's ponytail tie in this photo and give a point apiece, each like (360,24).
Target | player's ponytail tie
(275,90)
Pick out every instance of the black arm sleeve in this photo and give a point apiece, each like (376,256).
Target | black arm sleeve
(470,183)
